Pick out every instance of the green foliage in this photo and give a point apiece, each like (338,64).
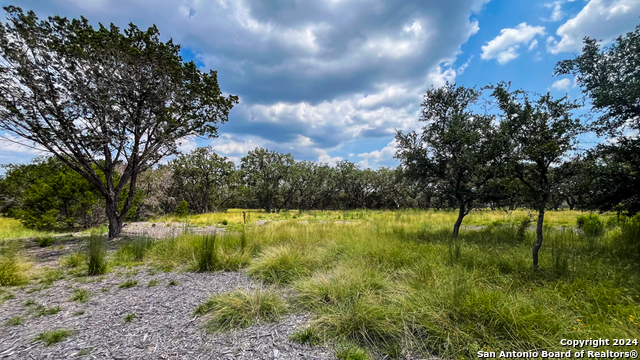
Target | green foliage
(140,246)
(129,318)
(240,308)
(152,283)
(96,256)
(523,226)
(591,224)
(266,174)
(128,284)
(41,310)
(54,336)
(182,209)
(73,260)
(80,295)
(225,222)
(351,352)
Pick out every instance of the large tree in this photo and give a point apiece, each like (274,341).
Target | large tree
(458,152)
(542,135)
(96,98)
(610,77)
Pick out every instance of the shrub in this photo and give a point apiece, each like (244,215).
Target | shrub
(54,336)
(182,209)
(591,225)
(207,257)
(96,256)
(240,308)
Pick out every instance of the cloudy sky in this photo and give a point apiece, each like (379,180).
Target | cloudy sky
(328,80)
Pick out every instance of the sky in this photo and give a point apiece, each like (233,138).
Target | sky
(331,80)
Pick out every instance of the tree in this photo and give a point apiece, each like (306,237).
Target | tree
(205,177)
(99,98)
(458,151)
(47,194)
(542,133)
(266,173)
(610,78)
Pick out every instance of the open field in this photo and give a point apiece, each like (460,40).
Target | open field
(346,285)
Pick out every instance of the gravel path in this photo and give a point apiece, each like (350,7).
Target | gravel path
(163,328)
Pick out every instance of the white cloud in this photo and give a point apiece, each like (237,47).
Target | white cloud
(324,158)
(382,157)
(504,47)
(533,45)
(556,13)
(599,19)
(561,84)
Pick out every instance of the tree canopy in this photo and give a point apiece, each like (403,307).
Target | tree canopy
(96,98)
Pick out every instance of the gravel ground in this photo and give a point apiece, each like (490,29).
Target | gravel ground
(164,327)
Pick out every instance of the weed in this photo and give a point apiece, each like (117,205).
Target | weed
(50,276)
(129,318)
(29,302)
(80,295)
(152,283)
(96,256)
(239,309)
(128,284)
(78,313)
(351,352)
(172,283)
(15,321)
(225,222)
(54,336)
(84,352)
(104,289)
(42,310)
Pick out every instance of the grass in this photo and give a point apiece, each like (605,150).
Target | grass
(129,318)
(45,241)
(152,283)
(15,321)
(73,260)
(172,283)
(12,267)
(54,336)
(96,255)
(41,310)
(128,284)
(80,295)
(240,308)
(78,313)
(13,229)
(306,336)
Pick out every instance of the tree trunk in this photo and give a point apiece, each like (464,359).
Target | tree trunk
(456,226)
(115,221)
(538,244)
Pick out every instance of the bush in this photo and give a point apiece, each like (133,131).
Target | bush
(241,308)
(591,225)
(207,257)
(96,256)
(182,209)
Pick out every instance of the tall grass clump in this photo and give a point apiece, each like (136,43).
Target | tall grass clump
(11,268)
(139,247)
(96,255)
(55,336)
(241,308)
(282,264)
(523,226)
(207,256)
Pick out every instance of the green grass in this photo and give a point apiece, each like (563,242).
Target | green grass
(45,241)
(282,264)
(12,267)
(306,336)
(240,308)
(13,228)
(128,284)
(172,283)
(41,310)
(15,321)
(152,283)
(78,313)
(54,336)
(129,318)
(80,295)
(73,260)
(96,255)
